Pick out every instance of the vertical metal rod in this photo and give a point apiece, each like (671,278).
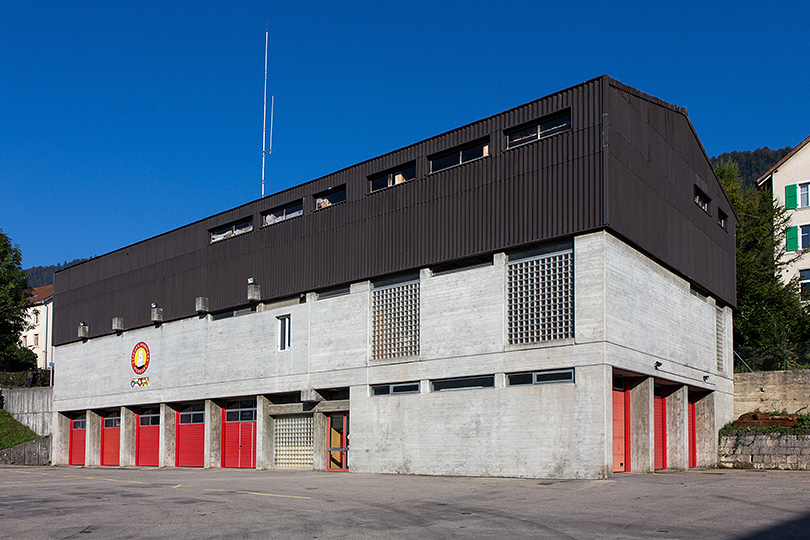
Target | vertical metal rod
(264,116)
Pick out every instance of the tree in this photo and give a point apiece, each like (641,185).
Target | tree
(770,323)
(14,295)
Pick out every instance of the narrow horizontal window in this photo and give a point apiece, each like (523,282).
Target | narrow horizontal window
(282,213)
(459,155)
(702,200)
(149,416)
(393,177)
(540,377)
(79,423)
(463,383)
(231,230)
(334,291)
(330,197)
(240,411)
(192,414)
(544,127)
(395,388)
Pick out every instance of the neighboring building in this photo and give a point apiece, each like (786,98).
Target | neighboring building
(38,337)
(546,292)
(789,181)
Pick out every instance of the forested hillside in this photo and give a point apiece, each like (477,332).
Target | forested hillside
(43,275)
(753,164)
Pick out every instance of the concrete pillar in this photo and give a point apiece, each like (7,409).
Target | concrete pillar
(265,434)
(168,440)
(642,432)
(129,430)
(320,443)
(92,448)
(678,429)
(706,431)
(213,434)
(60,439)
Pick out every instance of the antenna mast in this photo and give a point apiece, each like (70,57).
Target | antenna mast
(264,116)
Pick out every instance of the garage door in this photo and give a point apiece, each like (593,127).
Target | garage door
(621,418)
(78,429)
(692,434)
(190,447)
(147,444)
(239,434)
(111,437)
(660,413)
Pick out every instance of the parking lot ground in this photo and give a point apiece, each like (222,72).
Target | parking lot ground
(86,503)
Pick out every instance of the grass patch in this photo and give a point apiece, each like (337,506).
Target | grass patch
(12,432)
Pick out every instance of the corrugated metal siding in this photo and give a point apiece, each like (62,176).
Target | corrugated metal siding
(654,162)
(546,189)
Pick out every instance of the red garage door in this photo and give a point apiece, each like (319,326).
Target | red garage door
(621,429)
(239,434)
(78,429)
(111,437)
(147,443)
(692,434)
(660,413)
(190,447)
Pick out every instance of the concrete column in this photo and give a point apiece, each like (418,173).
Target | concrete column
(642,426)
(320,443)
(129,430)
(213,434)
(706,432)
(168,440)
(92,448)
(265,434)
(678,429)
(60,439)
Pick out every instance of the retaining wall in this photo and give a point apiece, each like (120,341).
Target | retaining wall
(36,452)
(771,391)
(759,451)
(32,407)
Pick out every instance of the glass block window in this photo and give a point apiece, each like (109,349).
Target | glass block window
(720,325)
(396,321)
(541,298)
(294,442)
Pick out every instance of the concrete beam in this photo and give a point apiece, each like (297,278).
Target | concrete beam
(168,440)
(677,429)
(706,431)
(60,439)
(129,430)
(213,434)
(265,434)
(92,448)
(642,432)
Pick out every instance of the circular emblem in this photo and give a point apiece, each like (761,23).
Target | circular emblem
(140,358)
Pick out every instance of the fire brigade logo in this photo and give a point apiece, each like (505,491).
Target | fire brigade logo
(140,358)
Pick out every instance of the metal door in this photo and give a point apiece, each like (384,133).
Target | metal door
(239,434)
(338,440)
(111,437)
(147,444)
(660,415)
(78,431)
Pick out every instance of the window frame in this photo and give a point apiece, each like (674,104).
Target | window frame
(299,203)
(283,326)
(535,376)
(244,410)
(802,237)
(319,197)
(804,279)
(149,416)
(452,381)
(393,387)
(539,132)
(483,142)
(802,192)
(233,227)
(702,200)
(390,176)
(191,413)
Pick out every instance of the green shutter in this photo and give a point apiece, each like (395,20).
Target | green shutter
(793,238)
(791,196)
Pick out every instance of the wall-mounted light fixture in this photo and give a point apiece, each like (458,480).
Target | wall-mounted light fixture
(154,305)
(658,365)
(251,281)
(705,378)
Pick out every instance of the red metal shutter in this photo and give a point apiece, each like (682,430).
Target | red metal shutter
(247,445)
(76,452)
(660,412)
(230,443)
(692,436)
(110,444)
(147,446)
(190,448)
(619,448)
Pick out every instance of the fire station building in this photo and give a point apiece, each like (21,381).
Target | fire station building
(546,292)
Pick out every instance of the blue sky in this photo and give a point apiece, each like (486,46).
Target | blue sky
(118,123)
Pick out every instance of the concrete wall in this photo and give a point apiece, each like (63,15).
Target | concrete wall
(758,451)
(771,391)
(32,407)
(629,313)
(36,452)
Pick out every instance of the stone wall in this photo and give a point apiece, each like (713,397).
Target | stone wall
(36,452)
(771,391)
(759,451)
(32,407)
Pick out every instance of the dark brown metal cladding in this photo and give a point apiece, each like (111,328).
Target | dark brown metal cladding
(543,190)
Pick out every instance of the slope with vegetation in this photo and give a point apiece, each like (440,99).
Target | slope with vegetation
(12,432)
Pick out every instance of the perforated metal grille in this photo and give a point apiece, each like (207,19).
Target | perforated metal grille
(720,326)
(294,446)
(541,299)
(396,321)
